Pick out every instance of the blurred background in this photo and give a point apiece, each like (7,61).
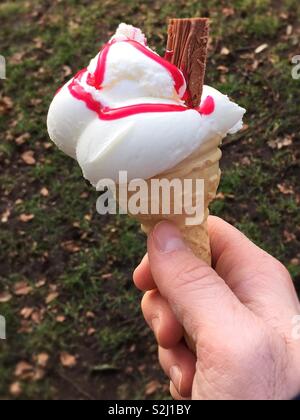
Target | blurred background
(74,328)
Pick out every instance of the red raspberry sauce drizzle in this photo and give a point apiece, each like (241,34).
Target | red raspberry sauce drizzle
(106,113)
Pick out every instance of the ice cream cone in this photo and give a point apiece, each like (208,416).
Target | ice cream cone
(202,165)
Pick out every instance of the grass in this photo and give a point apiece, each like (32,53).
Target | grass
(87,259)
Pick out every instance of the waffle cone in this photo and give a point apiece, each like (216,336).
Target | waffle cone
(202,165)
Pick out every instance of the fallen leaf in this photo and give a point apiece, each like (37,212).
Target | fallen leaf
(223,69)
(67,71)
(70,246)
(37,316)
(281,143)
(40,283)
(22,369)
(67,360)
(285,190)
(15,389)
(26,312)
(289,30)
(42,359)
(22,288)
(225,51)
(60,319)
(151,388)
(91,331)
(22,139)
(5,297)
(261,48)
(51,297)
(295,261)
(6,104)
(5,216)
(25,218)
(44,192)
(28,157)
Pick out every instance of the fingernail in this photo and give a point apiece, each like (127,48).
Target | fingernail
(155,323)
(176,377)
(167,238)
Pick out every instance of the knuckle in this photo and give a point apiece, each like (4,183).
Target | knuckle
(200,276)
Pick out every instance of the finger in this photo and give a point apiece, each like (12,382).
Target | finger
(197,295)
(175,395)
(259,281)
(161,319)
(179,365)
(142,276)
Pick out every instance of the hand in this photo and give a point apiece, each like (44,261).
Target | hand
(239,316)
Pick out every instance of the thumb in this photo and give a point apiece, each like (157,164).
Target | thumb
(198,297)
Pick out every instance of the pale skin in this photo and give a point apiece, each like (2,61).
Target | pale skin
(239,315)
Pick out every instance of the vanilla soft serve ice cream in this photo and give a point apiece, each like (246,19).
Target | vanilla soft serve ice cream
(126,112)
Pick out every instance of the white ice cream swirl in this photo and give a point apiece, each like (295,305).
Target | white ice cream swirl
(143,144)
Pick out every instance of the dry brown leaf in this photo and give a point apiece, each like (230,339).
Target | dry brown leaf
(37,316)
(223,69)
(40,283)
(67,360)
(22,139)
(23,369)
(281,143)
(28,157)
(289,30)
(42,359)
(151,388)
(70,246)
(285,189)
(91,331)
(25,218)
(44,192)
(60,319)
(22,288)
(51,297)
(5,297)
(67,71)
(15,389)
(6,104)
(5,216)
(26,312)
(225,51)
